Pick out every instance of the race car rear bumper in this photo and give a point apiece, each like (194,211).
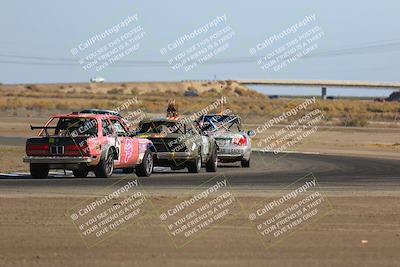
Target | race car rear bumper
(174,155)
(59,160)
(231,154)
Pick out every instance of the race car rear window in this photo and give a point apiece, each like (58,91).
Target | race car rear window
(161,127)
(76,126)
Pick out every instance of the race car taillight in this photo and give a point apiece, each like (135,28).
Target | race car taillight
(34,150)
(37,147)
(240,141)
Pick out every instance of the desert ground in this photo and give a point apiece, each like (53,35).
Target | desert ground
(361,228)
(35,232)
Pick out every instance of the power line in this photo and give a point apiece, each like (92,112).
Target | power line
(371,47)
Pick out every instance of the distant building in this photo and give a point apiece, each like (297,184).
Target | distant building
(97,80)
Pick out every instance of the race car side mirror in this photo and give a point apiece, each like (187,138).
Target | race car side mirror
(251,133)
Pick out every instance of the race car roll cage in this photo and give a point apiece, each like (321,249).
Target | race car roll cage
(233,120)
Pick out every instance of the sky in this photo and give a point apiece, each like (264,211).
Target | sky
(361,39)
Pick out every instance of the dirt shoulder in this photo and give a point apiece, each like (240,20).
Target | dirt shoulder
(349,141)
(36,232)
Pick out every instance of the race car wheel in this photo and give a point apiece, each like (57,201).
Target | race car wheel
(212,163)
(194,166)
(106,166)
(145,168)
(39,171)
(245,163)
(80,173)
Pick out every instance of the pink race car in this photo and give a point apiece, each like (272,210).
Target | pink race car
(88,142)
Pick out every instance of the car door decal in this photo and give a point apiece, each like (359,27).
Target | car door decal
(128,150)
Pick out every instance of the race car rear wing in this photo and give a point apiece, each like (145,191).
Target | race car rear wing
(42,128)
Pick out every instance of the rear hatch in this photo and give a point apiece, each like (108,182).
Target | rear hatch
(57,146)
(225,139)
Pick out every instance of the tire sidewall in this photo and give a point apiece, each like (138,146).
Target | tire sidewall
(148,155)
(143,170)
(212,164)
(107,161)
(102,169)
(198,163)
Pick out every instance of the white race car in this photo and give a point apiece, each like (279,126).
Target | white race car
(234,144)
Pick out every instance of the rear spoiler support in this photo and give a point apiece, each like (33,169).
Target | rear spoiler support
(43,128)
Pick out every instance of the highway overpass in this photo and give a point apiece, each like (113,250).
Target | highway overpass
(324,84)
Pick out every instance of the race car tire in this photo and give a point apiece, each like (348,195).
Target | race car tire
(39,170)
(194,166)
(106,165)
(212,163)
(80,173)
(145,168)
(245,163)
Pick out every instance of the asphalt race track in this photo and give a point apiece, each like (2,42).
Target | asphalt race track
(267,171)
